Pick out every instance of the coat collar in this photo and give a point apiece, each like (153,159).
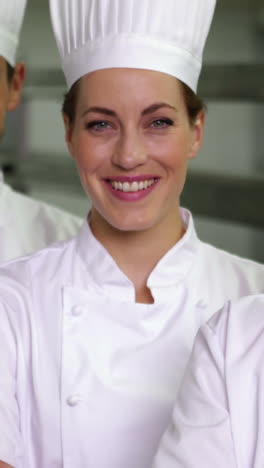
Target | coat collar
(169,273)
(2,181)
(5,214)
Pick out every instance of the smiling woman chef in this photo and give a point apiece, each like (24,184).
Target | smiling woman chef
(95,332)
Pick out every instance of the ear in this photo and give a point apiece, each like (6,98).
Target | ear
(68,133)
(198,133)
(16,85)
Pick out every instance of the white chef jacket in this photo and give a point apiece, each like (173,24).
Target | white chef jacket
(88,377)
(218,420)
(27,225)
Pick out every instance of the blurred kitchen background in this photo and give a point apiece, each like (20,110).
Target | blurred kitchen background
(225,187)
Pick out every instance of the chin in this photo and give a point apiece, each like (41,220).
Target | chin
(131,224)
(125,220)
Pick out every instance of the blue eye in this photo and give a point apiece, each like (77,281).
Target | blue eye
(161,123)
(97,125)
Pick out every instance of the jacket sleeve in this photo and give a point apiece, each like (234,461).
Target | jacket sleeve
(200,433)
(10,438)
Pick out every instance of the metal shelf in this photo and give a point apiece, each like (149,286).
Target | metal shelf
(236,199)
(233,82)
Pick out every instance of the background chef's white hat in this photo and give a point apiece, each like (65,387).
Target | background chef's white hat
(166,36)
(11,17)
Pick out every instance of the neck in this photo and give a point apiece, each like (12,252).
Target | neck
(137,253)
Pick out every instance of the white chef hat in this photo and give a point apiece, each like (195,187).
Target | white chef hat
(11,17)
(164,36)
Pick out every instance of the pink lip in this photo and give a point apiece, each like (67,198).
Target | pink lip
(130,196)
(131,179)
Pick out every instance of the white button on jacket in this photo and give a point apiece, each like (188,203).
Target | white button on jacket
(96,389)
(27,225)
(73,400)
(218,420)
(77,310)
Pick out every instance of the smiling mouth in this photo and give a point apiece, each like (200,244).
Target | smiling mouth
(132,186)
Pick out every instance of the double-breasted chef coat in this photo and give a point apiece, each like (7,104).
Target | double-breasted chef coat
(27,225)
(88,377)
(218,420)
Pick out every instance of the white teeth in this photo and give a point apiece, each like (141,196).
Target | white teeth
(132,186)
(126,187)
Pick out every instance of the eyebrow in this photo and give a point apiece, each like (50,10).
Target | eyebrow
(157,106)
(100,110)
(148,110)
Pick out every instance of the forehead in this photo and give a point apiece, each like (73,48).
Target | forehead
(132,86)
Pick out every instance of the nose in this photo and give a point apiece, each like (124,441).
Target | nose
(130,151)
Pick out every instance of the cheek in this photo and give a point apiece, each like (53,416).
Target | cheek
(85,153)
(173,151)
(3,101)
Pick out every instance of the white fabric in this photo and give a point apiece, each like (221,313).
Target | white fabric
(146,34)
(11,18)
(27,225)
(219,416)
(88,377)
